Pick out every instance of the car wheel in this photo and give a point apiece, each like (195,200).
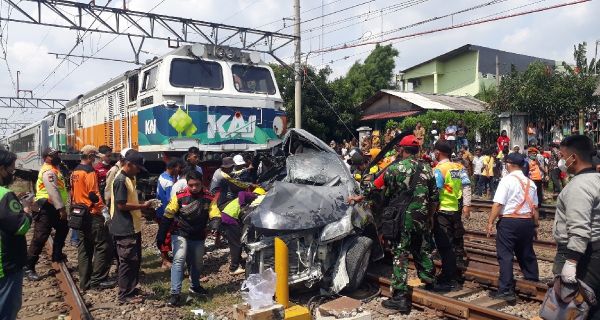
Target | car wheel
(357,261)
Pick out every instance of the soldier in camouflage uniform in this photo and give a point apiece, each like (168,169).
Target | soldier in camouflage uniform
(416,229)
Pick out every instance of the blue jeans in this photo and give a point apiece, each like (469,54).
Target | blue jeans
(190,251)
(11,291)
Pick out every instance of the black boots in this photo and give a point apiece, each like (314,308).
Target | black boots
(31,274)
(508,296)
(174,300)
(400,302)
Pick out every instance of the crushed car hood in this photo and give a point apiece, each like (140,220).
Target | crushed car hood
(289,206)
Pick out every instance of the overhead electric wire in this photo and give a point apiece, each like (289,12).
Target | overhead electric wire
(97,51)
(291,17)
(386,10)
(240,11)
(423,21)
(4,45)
(79,40)
(458,26)
(285,65)
(329,14)
(375,14)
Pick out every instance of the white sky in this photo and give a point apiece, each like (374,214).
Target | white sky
(549,34)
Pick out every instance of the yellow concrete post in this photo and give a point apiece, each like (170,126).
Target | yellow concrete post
(281,270)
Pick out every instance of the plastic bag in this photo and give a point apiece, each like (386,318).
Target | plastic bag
(261,288)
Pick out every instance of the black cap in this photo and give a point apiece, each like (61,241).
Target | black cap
(515,158)
(227,162)
(443,147)
(356,158)
(49,152)
(137,159)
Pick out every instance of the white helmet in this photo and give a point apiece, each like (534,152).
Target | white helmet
(124,152)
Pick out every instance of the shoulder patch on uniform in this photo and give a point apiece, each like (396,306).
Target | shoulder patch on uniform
(15,206)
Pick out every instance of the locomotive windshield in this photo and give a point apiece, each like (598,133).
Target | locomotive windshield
(196,74)
(252,79)
(62,118)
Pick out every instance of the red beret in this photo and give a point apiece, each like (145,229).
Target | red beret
(409,141)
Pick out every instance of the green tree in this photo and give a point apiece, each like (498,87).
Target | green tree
(547,92)
(365,79)
(484,122)
(328,105)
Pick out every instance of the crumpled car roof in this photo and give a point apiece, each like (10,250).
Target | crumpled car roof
(303,200)
(291,206)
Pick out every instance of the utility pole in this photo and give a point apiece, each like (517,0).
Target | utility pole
(596,58)
(297,69)
(497,72)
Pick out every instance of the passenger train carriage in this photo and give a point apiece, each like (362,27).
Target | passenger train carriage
(28,143)
(215,98)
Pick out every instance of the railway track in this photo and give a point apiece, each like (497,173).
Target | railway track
(470,302)
(545,210)
(473,300)
(56,295)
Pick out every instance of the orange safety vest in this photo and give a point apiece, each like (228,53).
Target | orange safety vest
(526,200)
(535,172)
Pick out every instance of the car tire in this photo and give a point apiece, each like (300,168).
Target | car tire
(357,261)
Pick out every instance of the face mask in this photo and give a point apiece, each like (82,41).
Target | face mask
(55,161)
(532,157)
(562,164)
(8,179)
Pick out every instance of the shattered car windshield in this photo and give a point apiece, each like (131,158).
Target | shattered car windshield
(315,168)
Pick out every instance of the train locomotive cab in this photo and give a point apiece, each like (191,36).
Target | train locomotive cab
(218,99)
(214,98)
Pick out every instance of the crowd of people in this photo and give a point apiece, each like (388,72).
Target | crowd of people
(486,165)
(426,195)
(101,204)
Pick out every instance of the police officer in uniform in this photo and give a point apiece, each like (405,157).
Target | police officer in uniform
(52,198)
(515,203)
(414,231)
(454,187)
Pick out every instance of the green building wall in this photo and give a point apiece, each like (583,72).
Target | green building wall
(457,76)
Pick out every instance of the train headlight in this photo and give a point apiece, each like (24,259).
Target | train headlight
(220,52)
(230,54)
(170,103)
(198,50)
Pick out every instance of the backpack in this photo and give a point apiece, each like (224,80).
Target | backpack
(392,218)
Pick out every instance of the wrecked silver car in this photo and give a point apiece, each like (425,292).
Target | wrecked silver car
(330,242)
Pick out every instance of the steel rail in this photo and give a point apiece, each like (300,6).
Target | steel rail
(79,310)
(452,308)
(478,203)
(542,244)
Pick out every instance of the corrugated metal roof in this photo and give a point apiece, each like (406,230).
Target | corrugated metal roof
(429,101)
(389,115)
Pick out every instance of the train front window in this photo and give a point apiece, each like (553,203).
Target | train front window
(149,79)
(252,79)
(62,119)
(187,73)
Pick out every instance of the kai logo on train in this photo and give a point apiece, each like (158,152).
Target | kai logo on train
(150,126)
(237,125)
(210,124)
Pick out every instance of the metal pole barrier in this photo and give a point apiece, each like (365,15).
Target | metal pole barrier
(282,293)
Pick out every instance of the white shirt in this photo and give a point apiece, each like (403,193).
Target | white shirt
(477,164)
(178,186)
(510,193)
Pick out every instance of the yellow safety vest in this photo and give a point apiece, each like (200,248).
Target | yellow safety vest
(451,192)
(40,189)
